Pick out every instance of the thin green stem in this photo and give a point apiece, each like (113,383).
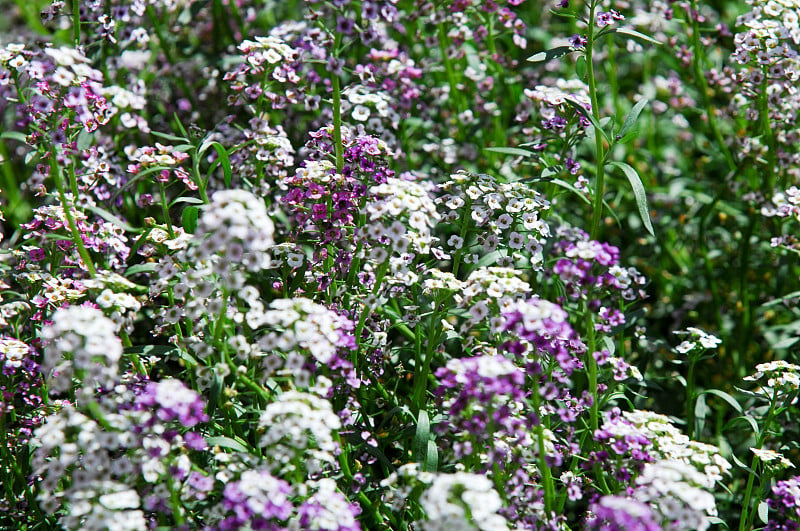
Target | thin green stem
(58,178)
(76,22)
(746,519)
(599,188)
(698,58)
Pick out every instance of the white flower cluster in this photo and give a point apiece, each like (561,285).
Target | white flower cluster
(302,323)
(668,443)
(511,212)
(235,229)
(772,31)
(676,491)
(269,50)
(361,101)
(489,292)
(71,444)
(551,97)
(461,501)
(401,213)
(776,377)
(81,343)
(299,425)
(784,204)
(698,341)
(12,352)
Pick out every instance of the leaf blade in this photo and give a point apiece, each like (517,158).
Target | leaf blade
(638,192)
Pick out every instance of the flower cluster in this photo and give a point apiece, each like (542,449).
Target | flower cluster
(81,343)
(785,500)
(776,378)
(298,431)
(461,501)
(616,513)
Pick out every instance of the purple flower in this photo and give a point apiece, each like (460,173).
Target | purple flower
(615,513)
(173,400)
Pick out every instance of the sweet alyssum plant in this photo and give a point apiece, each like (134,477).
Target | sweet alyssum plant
(392,264)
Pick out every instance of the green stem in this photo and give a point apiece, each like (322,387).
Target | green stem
(599,188)
(544,468)
(697,62)
(690,398)
(58,178)
(76,22)
(337,112)
(165,210)
(746,519)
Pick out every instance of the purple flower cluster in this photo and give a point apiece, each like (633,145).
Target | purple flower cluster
(257,500)
(785,501)
(546,327)
(615,513)
(172,400)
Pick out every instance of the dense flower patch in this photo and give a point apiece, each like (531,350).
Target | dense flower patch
(399,264)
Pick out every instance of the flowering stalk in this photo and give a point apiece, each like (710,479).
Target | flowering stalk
(598,137)
(58,178)
(746,519)
(697,58)
(337,111)
(544,468)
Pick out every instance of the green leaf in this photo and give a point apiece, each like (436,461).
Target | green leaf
(763,512)
(635,34)
(140,268)
(186,199)
(638,193)
(84,140)
(14,135)
(630,119)
(422,436)
(431,457)
(786,342)
(517,152)
(726,397)
(189,219)
(169,137)
(549,55)
(571,188)
(224,159)
(111,218)
(227,442)
(580,67)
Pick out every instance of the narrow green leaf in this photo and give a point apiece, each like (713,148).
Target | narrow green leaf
(226,442)
(111,218)
(571,188)
(167,136)
(224,159)
(635,34)
(421,436)
(140,268)
(189,219)
(186,199)
(786,342)
(549,55)
(431,457)
(630,119)
(580,67)
(726,397)
(517,152)
(638,193)
(13,135)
